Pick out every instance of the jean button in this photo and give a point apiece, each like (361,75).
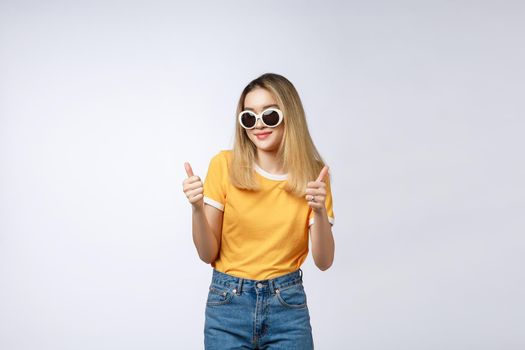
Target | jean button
(259,285)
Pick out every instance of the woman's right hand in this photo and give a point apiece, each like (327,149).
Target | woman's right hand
(192,187)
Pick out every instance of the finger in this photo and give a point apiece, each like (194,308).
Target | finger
(197,198)
(192,185)
(315,184)
(194,192)
(318,197)
(315,191)
(189,170)
(315,205)
(323,173)
(190,180)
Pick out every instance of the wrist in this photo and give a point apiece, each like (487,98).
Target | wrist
(320,211)
(196,208)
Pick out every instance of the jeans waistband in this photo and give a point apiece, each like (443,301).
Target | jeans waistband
(271,285)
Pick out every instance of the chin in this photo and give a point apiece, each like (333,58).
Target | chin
(267,148)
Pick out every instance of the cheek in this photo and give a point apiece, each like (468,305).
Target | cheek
(280,134)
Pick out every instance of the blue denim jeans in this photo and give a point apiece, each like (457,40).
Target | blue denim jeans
(257,314)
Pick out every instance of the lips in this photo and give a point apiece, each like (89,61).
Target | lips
(263,135)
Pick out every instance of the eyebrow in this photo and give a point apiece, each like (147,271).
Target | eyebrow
(272,105)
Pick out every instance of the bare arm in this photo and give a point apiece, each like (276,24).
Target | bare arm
(206,220)
(323,245)
(207,228)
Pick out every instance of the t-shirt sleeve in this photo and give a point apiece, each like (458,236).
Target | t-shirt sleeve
(328,204)
(214,187)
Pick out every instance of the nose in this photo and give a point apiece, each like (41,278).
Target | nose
(259,124)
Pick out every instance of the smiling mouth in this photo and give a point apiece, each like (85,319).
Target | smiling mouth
(263,135)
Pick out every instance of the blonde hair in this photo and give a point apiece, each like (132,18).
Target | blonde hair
(297,151)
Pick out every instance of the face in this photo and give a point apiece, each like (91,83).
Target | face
(265,138)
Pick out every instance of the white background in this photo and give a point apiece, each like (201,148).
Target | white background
(418,108)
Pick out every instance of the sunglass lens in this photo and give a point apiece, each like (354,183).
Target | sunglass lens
(248,120)
(270,118)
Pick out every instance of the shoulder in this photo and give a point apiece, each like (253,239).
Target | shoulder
(223,157)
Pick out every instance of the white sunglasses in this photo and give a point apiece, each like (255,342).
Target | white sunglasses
(270,117)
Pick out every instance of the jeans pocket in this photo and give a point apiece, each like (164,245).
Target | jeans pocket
(219,295)
(292,296)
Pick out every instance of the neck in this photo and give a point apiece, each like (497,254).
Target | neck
(269,162)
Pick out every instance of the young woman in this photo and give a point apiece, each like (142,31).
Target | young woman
(252,218)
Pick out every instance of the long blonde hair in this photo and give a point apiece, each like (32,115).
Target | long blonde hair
(297,151)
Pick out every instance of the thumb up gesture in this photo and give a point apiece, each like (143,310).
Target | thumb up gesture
(192,187)
(316,192)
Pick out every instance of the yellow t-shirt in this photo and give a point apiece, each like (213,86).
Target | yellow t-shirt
(264,233)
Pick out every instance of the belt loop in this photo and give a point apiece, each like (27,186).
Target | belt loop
(239,287)
(300,273)
(272,285)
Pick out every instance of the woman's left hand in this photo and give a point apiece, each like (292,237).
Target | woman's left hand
(316,192)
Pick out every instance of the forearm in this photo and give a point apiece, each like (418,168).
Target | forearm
(203,237)
(323,246)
